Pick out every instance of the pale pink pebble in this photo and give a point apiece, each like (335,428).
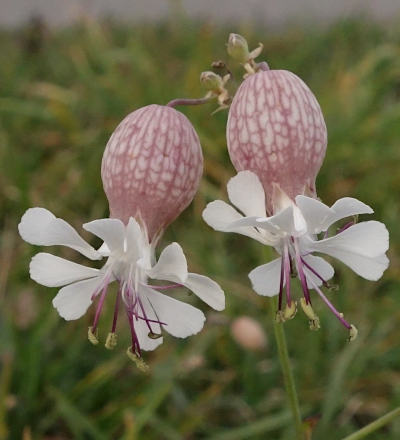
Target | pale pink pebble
(152,167)
(279,107)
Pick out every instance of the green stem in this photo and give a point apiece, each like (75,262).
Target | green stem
(287,370)
(375,425)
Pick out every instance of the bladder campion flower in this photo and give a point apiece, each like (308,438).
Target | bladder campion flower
(277,139)
(151,170)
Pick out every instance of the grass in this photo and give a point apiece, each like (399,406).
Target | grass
(61,95)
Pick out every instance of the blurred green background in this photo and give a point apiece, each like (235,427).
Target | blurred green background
(62,93)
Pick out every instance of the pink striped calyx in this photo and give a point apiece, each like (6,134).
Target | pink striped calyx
(276,130)
(151,167)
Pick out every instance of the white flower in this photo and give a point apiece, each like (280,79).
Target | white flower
(293,231)
(131,262)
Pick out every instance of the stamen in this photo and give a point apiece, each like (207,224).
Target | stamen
(346,226)
(281,284)
(338,315)
(311,269)
(140,363)
(135,341)
(313,319)
(101,302)
(353,333)
(287,274)
(93,336)
(145,316)
(300,271)
(151,333)
(116,311)
(111,341)
(293,273)
(290,310)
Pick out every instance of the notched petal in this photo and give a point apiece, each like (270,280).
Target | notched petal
(207,290)
(40,227)
(171,265)
(52,271)
(246,192)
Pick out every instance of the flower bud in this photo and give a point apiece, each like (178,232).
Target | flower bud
(276,129)
(238,48)
(152,167)
(248,333)
(211,81)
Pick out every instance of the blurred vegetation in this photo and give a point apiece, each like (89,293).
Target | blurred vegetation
(62,92)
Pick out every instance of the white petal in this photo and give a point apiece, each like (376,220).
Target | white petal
(265,279)
(135,239)
(319,216)
(370,268)
(346,207)
(361,247)
(290,221)
(52,271)
(171,265)
(367,238)
(207,290)
(104,250)
(321,267)
(253,222)
(72,301)
(182,320)
(110,230)
(220,216)
(246,192)
(315,213)
(40,227)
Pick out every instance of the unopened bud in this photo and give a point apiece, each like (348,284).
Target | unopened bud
(139,362)
(111,341)
(248,333)
(353,332)
(93,335)
(309,311)
(211,81)
(238,48)
(290,310)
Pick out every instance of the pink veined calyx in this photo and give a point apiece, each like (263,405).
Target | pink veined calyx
(277,140)
(151,170)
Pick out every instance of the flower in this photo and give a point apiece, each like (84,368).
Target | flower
(130,262)
(151,169)
(295,232)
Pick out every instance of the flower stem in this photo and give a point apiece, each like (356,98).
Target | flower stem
(375,425)
(287,371)
(184,101)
